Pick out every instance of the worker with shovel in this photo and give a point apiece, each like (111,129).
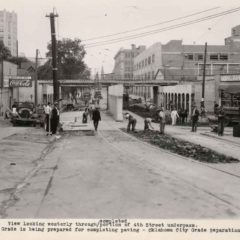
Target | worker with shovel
(131,122)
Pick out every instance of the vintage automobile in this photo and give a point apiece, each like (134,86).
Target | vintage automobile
(26,114)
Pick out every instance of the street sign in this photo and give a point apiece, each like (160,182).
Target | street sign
(20,81)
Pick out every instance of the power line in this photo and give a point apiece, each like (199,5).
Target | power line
(153,25)
(164,29)
(111,41)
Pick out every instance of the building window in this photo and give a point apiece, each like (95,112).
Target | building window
(146,62)
(149,60)
(152,74)
(199,57)
(153,58)
(149,75)
(223,57)
(214,57)
(189,56)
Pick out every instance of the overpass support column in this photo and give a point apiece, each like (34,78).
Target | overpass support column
(155,95)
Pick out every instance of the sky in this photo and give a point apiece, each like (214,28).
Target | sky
(86,19)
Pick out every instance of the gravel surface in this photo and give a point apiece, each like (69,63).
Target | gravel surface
(183,148)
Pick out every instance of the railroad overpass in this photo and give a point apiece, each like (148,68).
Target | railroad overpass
(106,83)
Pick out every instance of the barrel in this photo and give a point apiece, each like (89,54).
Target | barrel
(236,130)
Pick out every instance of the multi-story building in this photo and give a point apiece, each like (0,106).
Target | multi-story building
(123,67)
(185,62)
(8,30)
(175,61)
(146,67)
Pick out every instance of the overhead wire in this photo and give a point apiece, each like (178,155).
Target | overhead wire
(153,25)
(206,18)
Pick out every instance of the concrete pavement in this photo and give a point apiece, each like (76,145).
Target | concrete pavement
(22,150)
(227,144)
(111,174)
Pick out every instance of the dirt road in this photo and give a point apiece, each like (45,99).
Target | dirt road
(112,175)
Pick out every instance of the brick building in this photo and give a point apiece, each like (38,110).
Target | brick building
(175,61)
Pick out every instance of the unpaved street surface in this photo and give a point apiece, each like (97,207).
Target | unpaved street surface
(22,151)
(111,174)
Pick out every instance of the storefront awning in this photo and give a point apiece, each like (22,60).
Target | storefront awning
(233,88)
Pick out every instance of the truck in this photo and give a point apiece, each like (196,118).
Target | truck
(230,101)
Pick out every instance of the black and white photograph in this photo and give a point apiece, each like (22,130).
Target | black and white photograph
(120,110)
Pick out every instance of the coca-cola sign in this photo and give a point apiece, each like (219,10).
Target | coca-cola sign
(20,82)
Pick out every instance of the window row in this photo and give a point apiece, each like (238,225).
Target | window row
(129,54)
(199,57)
(147,61)
(146,76)
(128,75)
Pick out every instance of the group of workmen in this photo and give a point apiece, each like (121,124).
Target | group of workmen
(132,122)
(174,115)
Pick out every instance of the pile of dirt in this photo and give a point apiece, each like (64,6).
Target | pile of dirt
(182,148)
(141,111)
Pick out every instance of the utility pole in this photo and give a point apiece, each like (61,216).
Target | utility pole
(54,56)
(204,74)
(36,80)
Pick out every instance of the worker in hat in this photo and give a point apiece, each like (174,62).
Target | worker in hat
(131,122)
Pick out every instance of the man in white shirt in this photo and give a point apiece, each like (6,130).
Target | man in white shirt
(47,111)
(174,116)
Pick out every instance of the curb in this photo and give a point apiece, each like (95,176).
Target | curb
(220,139)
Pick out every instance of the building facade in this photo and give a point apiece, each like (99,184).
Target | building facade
(7,70)
(8,30)
(124,61)
(183,64)
(147,65)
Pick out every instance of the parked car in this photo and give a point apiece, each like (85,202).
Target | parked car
(27,114)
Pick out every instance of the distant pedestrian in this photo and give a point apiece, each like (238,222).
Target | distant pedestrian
(96,117)
(147,124)
(195,117)
(90,111)
(131,122)
(216,109)
(14,107)
(162,118)
(174,116)
(54,118)
(182,115)
(221,119)
(85,116)
(47,110)
(185,115)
